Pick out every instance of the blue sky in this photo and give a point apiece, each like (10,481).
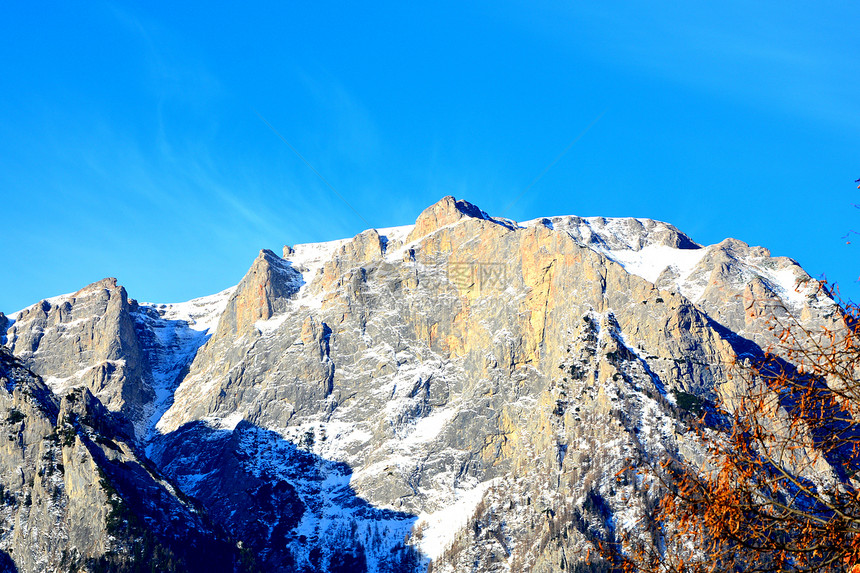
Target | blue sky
(130,144)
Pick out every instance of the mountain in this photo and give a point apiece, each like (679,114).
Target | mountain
(463,393)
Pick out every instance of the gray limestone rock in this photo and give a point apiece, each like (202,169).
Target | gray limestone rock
(264,291)
(88,338)
(78,495)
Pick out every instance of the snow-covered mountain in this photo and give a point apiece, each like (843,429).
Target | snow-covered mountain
(461,393)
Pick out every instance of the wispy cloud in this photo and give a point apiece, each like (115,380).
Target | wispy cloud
(789,58)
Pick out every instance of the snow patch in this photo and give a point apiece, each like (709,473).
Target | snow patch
(650,261)
(427,428)
(440,527)
(395,234)
(201,314)
(226,423)
(271,325)
(791,287)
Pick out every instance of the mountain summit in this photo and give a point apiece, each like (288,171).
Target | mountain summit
(461,394)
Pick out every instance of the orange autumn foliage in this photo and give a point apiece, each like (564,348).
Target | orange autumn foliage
(780,488)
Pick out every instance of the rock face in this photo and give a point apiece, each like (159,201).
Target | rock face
(446,212)
(77,495)
(87,338)
(130,356)
(461,392)
(263,292)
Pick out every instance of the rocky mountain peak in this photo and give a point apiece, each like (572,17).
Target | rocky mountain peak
(364,247)
(264,290)
(446,211)
(87,338)
(109,283)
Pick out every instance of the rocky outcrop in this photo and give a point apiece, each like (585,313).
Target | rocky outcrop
(77,495)
(88,338)
(365,248)
(446,212)
(747,291)
(621,233)
(265,290)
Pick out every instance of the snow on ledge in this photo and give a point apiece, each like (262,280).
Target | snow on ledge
(441,527)
(226,423)
(201,314)
(652,260)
